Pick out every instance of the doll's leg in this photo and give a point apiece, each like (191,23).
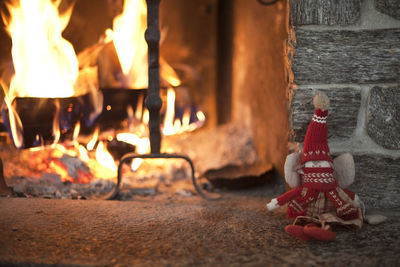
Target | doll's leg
(297,228)
(319,232)
(297,231)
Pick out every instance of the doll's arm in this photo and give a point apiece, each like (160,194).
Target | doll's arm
(283,199)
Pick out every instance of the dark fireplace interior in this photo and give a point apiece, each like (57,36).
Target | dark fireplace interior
(230,58)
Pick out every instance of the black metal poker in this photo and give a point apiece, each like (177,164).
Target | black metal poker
(153,102)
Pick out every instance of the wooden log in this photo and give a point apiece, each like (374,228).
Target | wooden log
(226,151)
(109,69)
(4,190)
(38,114)
(235,177)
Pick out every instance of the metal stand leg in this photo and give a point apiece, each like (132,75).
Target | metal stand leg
(153,102)
(128,157)
(4,190)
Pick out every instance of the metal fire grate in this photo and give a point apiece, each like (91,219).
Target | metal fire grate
(153,103)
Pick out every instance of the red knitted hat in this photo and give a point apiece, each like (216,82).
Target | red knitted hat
(316,141)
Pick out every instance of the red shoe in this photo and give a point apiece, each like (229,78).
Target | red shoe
(319,233)
(297,231)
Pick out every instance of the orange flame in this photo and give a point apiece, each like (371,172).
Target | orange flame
(45,63)
(142,146)
(77,129)
(128,36)
(90,145)
(14,120)
(104,157)
(56,124)
(46,66)
(169,128)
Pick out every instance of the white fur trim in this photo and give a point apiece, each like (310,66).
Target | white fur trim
(273,204)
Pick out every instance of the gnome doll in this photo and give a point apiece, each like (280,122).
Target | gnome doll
(318,198)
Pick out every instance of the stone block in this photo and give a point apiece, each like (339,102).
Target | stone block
(389,7)
(377,181)
(383,116)
(343,111)
(367,56)
(324,12)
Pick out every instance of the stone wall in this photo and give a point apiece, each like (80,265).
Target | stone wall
(350,49)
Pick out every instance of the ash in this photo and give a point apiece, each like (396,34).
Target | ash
(51,186)
(27,174)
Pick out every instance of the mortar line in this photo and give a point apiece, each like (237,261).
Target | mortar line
(342,85)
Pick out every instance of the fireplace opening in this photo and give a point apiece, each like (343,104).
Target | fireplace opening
(222,66)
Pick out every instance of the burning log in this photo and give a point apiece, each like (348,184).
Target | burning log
(43,118)
(116,105)
(39,116)
(109,69)
(111,75)
(118,148)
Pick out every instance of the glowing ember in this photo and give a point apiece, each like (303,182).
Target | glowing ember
(65,162)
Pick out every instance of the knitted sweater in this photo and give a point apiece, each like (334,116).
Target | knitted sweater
(315,181)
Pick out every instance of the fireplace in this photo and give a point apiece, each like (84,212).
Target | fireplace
(252,70)
(232,68)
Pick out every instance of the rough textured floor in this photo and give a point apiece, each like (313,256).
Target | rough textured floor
(179,231)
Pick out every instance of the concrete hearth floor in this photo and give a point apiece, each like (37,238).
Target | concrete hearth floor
(180,231)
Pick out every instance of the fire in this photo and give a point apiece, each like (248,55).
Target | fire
(174,125)
(46,66)
(142,146)
(56,125)
(45,63)
(128,37)
(90,145)
(104,157)
(14,120)
(170,113)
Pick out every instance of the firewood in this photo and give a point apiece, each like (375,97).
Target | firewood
(4,190)
(218,149)
(109,68)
